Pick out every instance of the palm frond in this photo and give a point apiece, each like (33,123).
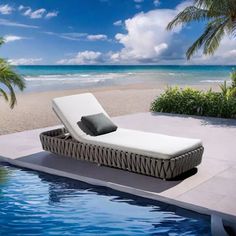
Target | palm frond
(10,79)
(191,13)
(206,4)
(1,41)
(12,94)
(4,94)
(221,15)
(198,43)
(215,36)
(210,38)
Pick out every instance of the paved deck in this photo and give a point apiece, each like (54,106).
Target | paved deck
(212,186)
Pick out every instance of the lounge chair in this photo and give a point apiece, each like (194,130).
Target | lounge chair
(146,153)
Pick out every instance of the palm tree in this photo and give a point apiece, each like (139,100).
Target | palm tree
(8,80)
(221,17)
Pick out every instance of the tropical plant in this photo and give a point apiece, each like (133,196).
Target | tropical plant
(221,19)
(226,90)
(8,80)
(233,78)
(194,102)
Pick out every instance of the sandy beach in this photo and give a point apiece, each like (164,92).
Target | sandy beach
(33,110)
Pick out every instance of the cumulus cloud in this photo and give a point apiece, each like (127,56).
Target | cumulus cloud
(24,61)
(96,37)
(6,9)
(148,41)
(5,22)
(83,58)
(146,38)
(12,38)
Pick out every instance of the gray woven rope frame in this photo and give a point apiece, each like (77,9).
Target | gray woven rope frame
(57,142)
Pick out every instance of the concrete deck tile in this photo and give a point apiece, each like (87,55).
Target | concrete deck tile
(227,203)
(204,198)
(203,174)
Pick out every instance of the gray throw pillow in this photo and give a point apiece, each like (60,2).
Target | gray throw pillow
(98,124)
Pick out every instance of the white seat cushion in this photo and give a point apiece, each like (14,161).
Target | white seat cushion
(144,143)
(70,109)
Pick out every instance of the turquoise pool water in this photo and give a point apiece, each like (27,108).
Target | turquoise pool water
(34,203)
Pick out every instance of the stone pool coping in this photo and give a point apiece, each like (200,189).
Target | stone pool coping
(212,190)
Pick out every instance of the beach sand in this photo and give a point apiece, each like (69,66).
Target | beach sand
(33,110)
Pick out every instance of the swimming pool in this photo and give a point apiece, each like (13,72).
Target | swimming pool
(34,203)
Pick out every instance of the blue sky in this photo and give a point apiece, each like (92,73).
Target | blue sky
(99,32)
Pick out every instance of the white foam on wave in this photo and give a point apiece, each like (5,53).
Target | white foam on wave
(213,81)
(84,75)
(84,78)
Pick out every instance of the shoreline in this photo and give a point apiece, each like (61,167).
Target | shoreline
(33,109)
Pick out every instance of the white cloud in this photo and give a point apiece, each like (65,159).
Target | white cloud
(5,22)
(118,23)
(12,38)
(21,7)
(83,58)
(75,36)
(24,61)
(52,14)
(95,37)
(6,9)
(156,3)
(138,3)
(146,38)
(148,41)
(37,14)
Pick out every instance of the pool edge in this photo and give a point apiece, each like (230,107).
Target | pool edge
(121,188)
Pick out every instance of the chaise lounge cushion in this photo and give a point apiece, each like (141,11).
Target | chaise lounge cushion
(144,143)
(98,124)
(70,109)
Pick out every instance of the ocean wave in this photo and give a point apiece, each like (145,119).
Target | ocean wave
(84,75)
(213,81)
(78,77)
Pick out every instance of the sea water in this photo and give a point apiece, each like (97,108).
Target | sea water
(57,77)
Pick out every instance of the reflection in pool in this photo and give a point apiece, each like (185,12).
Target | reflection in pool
(34,203)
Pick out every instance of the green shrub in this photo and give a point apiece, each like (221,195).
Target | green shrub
(194,102)
(233,78)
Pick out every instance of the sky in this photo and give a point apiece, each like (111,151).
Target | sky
(101,32)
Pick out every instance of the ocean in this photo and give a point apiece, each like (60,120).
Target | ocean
(57,77)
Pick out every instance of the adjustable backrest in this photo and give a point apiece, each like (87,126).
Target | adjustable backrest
(70,109)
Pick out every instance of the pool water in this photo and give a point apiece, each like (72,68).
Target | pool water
(34,203)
